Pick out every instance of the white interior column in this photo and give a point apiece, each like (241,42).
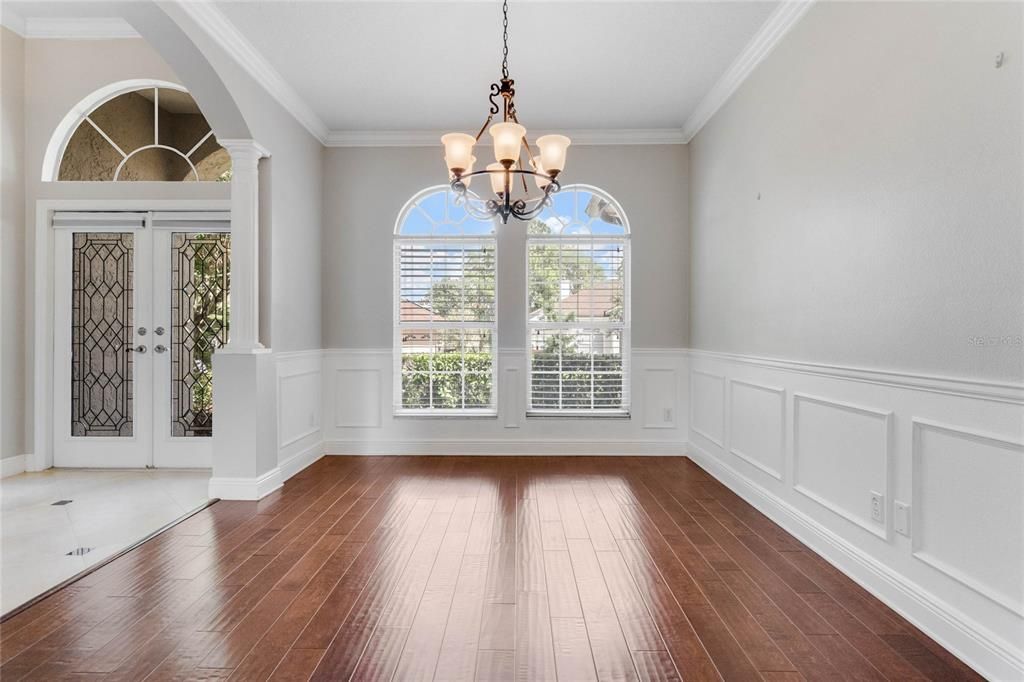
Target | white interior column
(245,286)
(245,391)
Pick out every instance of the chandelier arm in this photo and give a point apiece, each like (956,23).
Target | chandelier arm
(544,202)
(470,200)
(490,117)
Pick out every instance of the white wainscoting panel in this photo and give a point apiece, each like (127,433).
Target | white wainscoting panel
(967,485)
(950,449)
(707,406)
(840,456)
(298,406)
(660,397)
(357,397)
(299,410)
(757,425)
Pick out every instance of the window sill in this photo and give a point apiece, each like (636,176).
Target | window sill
(570,414)
(447,414)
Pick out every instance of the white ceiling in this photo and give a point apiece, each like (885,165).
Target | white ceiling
(399,66)
(358,72)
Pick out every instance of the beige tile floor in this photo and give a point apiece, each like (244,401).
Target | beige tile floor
(110,510)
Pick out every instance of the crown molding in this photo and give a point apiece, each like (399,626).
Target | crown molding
(227,35)
(12,21)
(76,28)
(778,24)
(432,138)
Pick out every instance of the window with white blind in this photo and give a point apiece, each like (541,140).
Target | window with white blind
(578,305)
(445,308)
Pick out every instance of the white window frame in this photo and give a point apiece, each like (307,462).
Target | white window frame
(624,327)
(398,326)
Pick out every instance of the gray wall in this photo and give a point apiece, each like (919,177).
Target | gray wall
(290,189)
(12,244)
(859,200)
(365,188)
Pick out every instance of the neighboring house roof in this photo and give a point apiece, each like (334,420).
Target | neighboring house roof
(595,302)
(410,311)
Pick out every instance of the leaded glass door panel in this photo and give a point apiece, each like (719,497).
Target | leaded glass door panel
(193,276)
(103,378)
(141,306)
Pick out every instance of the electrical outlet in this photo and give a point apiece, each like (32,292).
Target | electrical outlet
(877,507)
(312,418)
(666,415)
(901,517)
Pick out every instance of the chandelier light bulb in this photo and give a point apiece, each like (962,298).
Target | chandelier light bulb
(542,180)
(552,152)
(498,173)
(458,152)
(467,180)
(507,138)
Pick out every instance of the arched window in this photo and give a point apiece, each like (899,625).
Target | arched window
(138,131)
(445,308)
(578,305)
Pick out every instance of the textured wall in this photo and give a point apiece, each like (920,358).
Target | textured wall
(128,120)
(858,201)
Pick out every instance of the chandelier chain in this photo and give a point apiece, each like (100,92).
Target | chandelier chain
(504,26)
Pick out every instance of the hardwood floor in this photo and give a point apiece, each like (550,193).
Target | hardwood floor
(458,568)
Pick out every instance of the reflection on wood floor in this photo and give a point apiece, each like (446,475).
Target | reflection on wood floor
(460,568)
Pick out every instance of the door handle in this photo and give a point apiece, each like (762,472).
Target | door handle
(138,349)
(160,348)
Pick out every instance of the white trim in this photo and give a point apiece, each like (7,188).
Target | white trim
(917,521)
(78,28)
(986,651)
(778,24)
(208,17)
(246,488)
(300,460)
(505,447)
(432,138)
(984,389)
(12,466)
(12,21)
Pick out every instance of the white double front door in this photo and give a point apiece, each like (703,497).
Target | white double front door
(141,304)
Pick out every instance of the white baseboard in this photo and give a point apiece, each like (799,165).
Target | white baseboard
(503,447)
(246,488)
(300,460)
(12,466)
(980,648)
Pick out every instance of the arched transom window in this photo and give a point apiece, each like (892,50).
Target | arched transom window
(578,305)
(445,308)
(149,133)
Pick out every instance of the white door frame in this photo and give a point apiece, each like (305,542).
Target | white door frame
(42,337)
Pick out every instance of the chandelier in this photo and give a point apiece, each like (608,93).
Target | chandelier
(510,146)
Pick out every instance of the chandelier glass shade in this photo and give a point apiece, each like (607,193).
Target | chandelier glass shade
(511,146)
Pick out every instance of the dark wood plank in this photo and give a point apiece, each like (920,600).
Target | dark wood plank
(461,568)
